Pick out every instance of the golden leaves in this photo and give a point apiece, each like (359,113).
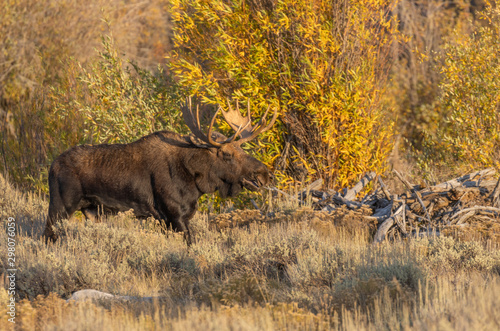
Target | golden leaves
(300,58)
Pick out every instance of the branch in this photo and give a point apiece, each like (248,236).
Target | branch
(388,223)
(415,192)
(351,193)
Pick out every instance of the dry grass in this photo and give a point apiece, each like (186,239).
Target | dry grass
(296,270)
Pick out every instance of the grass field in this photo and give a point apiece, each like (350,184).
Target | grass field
(351,85)
(298,269)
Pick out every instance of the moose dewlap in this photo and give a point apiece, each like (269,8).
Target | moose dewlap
(161,175)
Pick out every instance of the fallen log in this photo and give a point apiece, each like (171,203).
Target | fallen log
(455,219)
(446,186)
(386,225)
(352,192)
(472,197)
(495,195)
(415,192)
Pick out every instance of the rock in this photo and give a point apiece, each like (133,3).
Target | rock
(94,295)
(84,295)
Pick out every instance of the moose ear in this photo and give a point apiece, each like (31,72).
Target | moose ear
(201,144)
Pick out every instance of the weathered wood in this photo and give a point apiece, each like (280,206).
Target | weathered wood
(415,192)
(314,186)
(411,217)
(431,208)
(445,202)
(386,225)
(379,219)
(488,184)
(383,212)
(463,218)
(488,172)
(401,221)
(369,196)
(485,218)
(448,215)
(495,195)
(382,230)
(474,210)
(429,196)
(472,178)
(351,193)
(351,204)
(384,188)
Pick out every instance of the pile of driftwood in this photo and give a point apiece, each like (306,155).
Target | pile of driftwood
(420,210)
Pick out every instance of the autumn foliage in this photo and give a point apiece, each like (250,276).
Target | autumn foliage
(321,63)
(469,96)
(345,76)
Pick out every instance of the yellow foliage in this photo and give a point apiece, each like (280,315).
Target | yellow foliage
(319,63)
(470,96)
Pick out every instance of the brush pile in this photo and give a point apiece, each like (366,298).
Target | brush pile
(420,210)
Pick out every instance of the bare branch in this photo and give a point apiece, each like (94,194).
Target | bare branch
(415,192)
(351,193)
(386,225)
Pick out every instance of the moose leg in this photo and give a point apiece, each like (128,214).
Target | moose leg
(184,222)
(57,212)
(63,203)
(178,215)
(187,214)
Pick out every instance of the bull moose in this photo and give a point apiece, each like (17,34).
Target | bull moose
(161,175)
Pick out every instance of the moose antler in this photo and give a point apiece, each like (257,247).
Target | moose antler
(242,126)
(193,122)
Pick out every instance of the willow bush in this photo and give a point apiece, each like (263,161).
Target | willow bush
(109,100)
(123,101)
(113,100)
(415,76)
(469,98)
(37,39)
(321,63)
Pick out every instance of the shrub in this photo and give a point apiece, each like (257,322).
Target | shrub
(447,254)
(415,76)
(123,102)
(321,64)
(110,100)
(469,97)
(37,41)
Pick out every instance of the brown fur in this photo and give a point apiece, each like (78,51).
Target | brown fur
(161,175)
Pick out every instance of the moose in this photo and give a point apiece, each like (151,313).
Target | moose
(160,175)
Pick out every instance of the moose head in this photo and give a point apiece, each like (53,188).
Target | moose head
(233,168)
